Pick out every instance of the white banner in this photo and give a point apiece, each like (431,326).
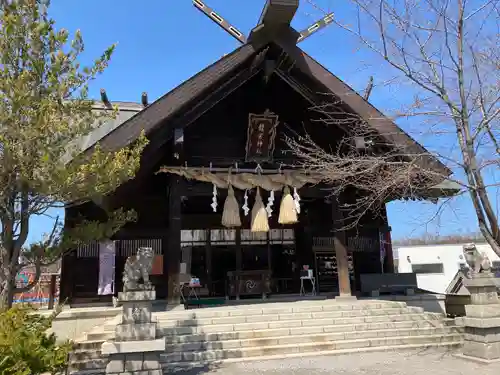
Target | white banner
(107,253)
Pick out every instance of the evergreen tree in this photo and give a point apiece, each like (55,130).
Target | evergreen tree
(44,111)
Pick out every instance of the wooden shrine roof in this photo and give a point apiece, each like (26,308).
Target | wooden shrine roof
(188,101)
(126,110)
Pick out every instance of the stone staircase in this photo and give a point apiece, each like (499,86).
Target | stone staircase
(275,330)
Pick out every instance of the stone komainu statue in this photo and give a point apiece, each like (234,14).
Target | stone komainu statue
(137,270)
(476,261)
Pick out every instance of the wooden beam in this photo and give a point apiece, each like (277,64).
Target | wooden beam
(208,262)
(389,254)
(172,254)
(148,161)
(239,260)
(144,99)
(169,105)
(205,189)
(220,21)
(278,12)
(386,128)
(105,99)
(151,155)
(315,27)
(339,240)
(274,23)
(202,106)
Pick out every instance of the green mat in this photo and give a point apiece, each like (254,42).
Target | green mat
(205,302)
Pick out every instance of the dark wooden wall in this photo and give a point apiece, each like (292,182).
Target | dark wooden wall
(219,137)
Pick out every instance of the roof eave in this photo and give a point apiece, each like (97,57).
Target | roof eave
(362,107)
(170,103)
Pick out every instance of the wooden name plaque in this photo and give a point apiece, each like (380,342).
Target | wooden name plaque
(261,137)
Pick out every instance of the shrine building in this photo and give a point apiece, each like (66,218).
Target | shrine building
(217,170)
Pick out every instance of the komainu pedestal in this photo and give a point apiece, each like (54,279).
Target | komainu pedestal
(135,350)
(482,320)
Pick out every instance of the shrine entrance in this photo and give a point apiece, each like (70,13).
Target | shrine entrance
(224,261)
(222,257)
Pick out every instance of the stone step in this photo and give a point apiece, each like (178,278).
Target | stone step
(166,320)
(172,329)
(91,349)
(92,366)
(277,308)
(221,354)
(270,338)
(344,331)
(85,354)
(100,335)
(300,339)
(88,344)
(271,310)
(172,367)
(222,336)
(169,328)
(88,366)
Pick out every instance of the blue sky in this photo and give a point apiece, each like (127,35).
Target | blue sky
(163,42)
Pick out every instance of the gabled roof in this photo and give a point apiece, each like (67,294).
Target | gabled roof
(208,80)
(170,103)
(376,119)
(126,110)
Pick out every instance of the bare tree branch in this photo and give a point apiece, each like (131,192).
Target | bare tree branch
(449,51)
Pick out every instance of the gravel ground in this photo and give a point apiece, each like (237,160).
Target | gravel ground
(385,363)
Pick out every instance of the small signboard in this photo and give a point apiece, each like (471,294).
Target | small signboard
(194,282)
(261,136)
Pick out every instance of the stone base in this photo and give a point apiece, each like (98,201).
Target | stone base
(478,322)
(137,311)
(127,347)
(486,335)
(482,320)
(483,289)
(346,298)
(483,311)
(137,295)
(484,350)
(477,360)
(135,332)
(134,364)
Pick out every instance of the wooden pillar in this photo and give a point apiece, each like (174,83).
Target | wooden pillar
(66,283)
(389,255)
(173,256)
(208,262)
(239,251)
(52,290)
(269,255)
(339,240)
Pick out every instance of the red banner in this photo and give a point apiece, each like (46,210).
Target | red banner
(157,265)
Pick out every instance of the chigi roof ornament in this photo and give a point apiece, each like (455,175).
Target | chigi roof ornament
(210,13)
(275,18)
